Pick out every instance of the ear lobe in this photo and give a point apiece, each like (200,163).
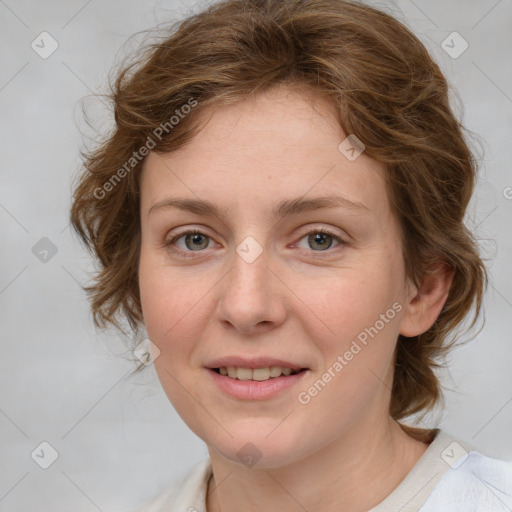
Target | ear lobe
(426,302)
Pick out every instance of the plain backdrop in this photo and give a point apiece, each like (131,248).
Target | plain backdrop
(119,441)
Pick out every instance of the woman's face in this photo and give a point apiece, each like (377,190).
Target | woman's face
(262,283)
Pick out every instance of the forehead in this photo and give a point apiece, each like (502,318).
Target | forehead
(280,144)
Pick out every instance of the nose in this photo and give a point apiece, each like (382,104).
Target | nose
(252,298)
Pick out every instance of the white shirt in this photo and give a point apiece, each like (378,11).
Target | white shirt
(449,477)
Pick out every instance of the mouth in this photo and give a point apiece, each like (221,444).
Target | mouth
(256,374)
(257,383)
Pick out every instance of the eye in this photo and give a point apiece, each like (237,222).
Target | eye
(321,240)
(193,241)
(318,240)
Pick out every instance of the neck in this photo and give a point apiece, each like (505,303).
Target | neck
(353,473)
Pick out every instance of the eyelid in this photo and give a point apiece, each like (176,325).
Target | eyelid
(311,230)
(168,244)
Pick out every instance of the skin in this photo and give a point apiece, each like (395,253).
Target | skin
(295,302)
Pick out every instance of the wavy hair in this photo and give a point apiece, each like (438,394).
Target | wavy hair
(384,87)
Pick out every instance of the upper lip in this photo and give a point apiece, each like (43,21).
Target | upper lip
(256,362)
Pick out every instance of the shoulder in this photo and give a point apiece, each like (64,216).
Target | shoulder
(186,493)
(477,483)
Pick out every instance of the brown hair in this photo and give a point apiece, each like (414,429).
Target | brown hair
(385,89)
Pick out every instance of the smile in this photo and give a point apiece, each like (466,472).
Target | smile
(255,383)
(258,374)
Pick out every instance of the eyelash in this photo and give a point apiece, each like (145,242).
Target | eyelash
(190,254)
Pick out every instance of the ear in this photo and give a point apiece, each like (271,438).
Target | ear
(424,304)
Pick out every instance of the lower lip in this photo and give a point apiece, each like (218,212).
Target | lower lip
(253,389)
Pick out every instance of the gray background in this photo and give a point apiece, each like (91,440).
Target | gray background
(119,440)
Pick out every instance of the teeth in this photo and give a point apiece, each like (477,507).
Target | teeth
(258,374)
(261,374)
(244,373)
(275,371)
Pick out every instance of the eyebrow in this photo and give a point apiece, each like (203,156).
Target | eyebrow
(282,209)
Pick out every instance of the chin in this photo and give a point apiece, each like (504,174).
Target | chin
(257,448)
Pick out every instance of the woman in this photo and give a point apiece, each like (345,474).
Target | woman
(280,208)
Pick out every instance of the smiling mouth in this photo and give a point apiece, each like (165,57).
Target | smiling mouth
(256,374)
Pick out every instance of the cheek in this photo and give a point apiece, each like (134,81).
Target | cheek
(358,316)
(357,349)
(176,311)
(167,312)
(165,297)
(346,307)
(163,305)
